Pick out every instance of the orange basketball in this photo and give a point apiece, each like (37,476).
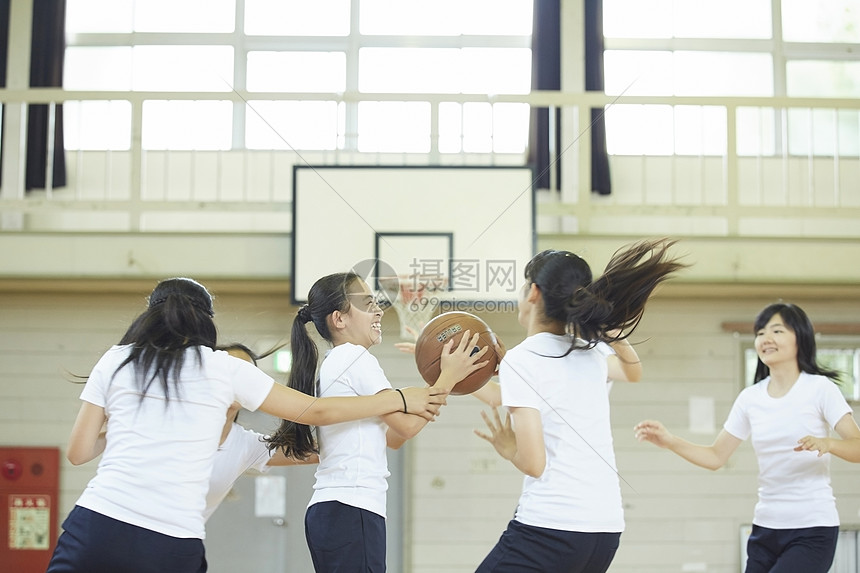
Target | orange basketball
(437,332)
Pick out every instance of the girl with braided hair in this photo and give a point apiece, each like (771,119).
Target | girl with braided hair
(164,392)
(554,386)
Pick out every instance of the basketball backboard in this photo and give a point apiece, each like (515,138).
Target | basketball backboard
(474,227)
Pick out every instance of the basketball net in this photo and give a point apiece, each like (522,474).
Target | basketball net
(415,298)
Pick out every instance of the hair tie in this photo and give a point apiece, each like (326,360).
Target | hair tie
(304,314)
(194,302)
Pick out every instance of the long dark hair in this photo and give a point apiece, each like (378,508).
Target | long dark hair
(589,308)
(796,320)
(178,316)
(327,295)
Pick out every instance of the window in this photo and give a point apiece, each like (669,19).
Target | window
(323,47)
(844,358)
(732,48)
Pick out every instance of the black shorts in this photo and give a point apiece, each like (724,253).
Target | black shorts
(805,550)
(525,548)
(94,543)
(344,538)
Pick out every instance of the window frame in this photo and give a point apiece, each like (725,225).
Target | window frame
(351,45)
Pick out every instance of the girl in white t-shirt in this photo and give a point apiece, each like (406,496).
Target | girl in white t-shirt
(164,392)
(345,520)
(241,449)
(554,385)
(788,414)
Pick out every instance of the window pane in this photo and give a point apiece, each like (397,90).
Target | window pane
(477,128)
(496,71)
(843,360)
(639,129)
(756,131)
(830,21)
(282,18)
(445,70)
(187,124)
(699,19)
(700,130)
(633,72)
(296,71)
(395,127)
(446,17)
(637,18)
(184,16)
(723,19)
(826,132)
(723,74)
(183,68)
(409,70)
(510,127)
(450,127)
(293,125)
(98,69)
(810,78)
(97,125)
(99,16)
(481,128)
(849,132)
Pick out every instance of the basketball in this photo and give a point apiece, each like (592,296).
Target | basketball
(441,329)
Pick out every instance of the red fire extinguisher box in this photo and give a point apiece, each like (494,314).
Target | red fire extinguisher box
(29,491)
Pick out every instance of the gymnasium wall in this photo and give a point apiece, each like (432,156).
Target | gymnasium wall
(459,493)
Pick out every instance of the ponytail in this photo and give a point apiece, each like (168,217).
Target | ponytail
(327,295)
(626,284)
(615,301)
(297,440)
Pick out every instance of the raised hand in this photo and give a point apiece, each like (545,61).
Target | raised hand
(652,431)
(501,434)
(457,362)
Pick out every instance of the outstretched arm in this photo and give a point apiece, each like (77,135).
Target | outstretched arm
(847,448)
(524,447)
(711,457)
(289,404)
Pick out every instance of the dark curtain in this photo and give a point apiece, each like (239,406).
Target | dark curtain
(546,75)
(594,81)
(46,70)
(4,52)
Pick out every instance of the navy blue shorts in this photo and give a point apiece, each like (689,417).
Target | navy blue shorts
(806,550)
(523,548)
(94,543)
(345,539)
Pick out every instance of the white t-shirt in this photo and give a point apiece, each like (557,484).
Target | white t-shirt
(794,487)
(579,488)
(353,466)
(243,450)
(154,472)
